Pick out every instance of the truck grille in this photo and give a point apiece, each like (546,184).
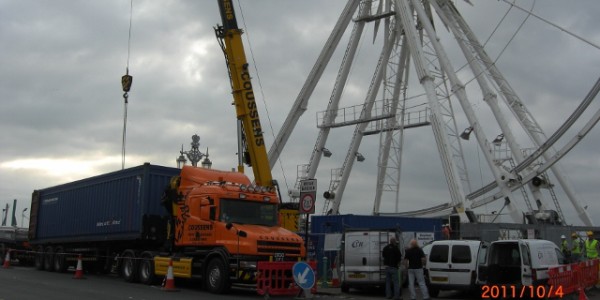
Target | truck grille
(272,247)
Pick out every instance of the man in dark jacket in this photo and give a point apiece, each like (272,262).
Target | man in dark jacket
(416,260)
(391,259)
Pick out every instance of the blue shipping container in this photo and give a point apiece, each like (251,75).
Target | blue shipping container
(107,207)
(337,223)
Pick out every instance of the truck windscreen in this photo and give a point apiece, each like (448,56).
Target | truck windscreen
(248,212)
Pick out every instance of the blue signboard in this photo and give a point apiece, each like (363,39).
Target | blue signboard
(303,275)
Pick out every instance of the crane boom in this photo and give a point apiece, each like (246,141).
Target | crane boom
(230,39)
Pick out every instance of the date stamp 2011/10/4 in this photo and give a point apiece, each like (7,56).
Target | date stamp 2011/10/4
(520,292)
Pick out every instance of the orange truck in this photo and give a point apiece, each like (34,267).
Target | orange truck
(224,225)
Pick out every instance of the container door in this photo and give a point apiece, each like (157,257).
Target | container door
(461,264)
(438,265)
(526,272)
(481,266)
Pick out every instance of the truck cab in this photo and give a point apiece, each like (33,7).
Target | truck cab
(223,225)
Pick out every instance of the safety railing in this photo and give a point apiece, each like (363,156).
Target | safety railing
(576,277)
(276,278)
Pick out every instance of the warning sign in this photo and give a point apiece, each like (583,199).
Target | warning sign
(308,192)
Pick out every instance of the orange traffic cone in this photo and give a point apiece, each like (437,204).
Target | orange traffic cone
(79,269)
(169,284)
(6,264)
(335,280)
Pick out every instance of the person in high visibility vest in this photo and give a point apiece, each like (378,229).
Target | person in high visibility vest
(564,247)
(576,247)
(591,246)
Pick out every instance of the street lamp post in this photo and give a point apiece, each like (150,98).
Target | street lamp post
(23,216)
(181,159)
(194,155)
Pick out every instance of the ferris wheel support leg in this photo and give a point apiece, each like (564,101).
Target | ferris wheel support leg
(568,189)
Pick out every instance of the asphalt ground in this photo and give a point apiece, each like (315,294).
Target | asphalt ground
(26,283)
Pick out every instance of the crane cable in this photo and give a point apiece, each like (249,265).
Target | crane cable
(262,94)
(126,81)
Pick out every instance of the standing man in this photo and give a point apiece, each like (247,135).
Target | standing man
(576,247)
(416,260)
(564,247)
(391,259)
(591,246)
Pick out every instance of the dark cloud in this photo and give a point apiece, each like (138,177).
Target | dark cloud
(61,96)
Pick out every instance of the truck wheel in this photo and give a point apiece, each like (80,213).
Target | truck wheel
(49,259)
(2,253)
(60,263)
(217,277)
(39,258)
(129,268)
(146,269)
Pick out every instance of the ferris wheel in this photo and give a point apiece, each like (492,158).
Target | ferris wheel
(415,84)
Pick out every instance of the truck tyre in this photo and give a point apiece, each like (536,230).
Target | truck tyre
(2,253)
(146,269)
(129,267)
(49,259)
(39,258)
(60,263)
(217,277)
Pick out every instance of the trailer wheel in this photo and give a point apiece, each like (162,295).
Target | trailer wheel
(49,259)
(60,263)
(129,267)
(2,253)
(39,258)
(217,277)
(146,269)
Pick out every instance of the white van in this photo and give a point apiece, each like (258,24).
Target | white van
(360,258)
(519,262)
(452,265)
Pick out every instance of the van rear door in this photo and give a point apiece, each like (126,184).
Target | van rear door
(451,263)
(362,257)
(526,272)
(483,261)
(437,263)
(481,265)
(462,262)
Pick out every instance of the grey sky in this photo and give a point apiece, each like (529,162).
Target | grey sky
(62,106)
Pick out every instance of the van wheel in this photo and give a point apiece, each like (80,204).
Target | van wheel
(217,277)
(146,269)
(129,267)
(49,259)
(433,292)
(345,288)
